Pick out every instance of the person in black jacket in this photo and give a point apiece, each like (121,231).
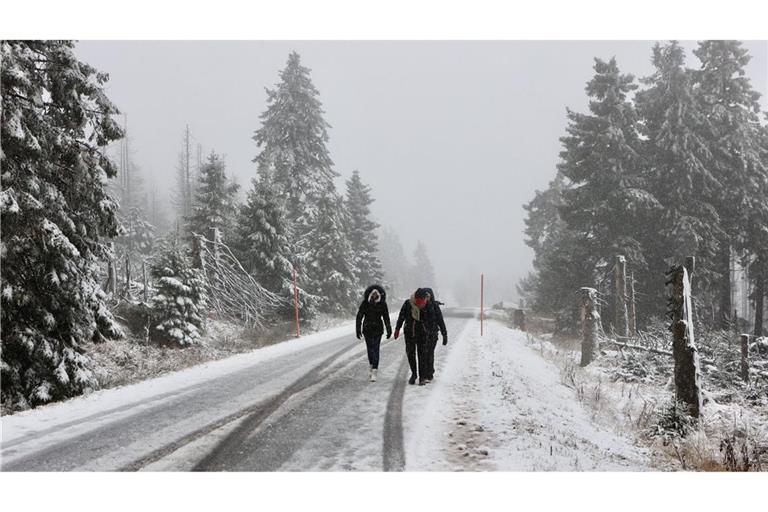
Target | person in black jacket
(438,326)
(373,315)
(417,318)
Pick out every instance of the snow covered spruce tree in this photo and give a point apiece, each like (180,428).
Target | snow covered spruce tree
(605,200)
(362,231)
(560,261)
(56,213)
(731,107)
(294,156)
(178,307)
(215,200)
(262,238)
(679,173)
(393,261)
(423,272)
(329,259)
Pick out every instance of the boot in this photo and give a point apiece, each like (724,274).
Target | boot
(374,371)
(412,380)
(422,382)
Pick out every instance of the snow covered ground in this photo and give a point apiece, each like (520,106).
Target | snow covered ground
(497,404)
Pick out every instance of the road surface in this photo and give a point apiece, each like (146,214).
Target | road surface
(311,409)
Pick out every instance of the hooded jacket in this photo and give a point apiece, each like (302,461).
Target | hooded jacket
(373,316)
(427,322)
(439,323)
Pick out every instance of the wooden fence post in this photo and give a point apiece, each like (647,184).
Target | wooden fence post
(684,351)
(745,357)
(620,319)
(589,325)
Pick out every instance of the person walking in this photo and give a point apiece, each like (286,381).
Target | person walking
(438,326)
(416,319)
(372,318)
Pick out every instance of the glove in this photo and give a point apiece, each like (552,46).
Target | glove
(445,340)
(389,334)
(397,333)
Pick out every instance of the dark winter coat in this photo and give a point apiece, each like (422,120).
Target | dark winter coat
(419,328)
(374,316)
(439,323)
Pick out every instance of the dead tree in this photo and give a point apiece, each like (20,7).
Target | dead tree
(620,317)
(684,351)
(589,325)
(127,275)
(111,270)
(144,280)
(745,357)
(631,312)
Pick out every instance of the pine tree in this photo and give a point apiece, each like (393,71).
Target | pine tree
(394,263)
(179,304)
(561,257)
(679,173)
(215,200)
(731,108)
(294,157)
(56,213)
(292,140)
(423,271)
(262,238)
(605,202)
(362,233)
(329,268)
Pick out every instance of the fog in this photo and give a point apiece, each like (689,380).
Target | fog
(453,137)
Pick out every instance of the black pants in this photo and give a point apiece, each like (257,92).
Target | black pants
(372,343)
(417,351)
(431,345)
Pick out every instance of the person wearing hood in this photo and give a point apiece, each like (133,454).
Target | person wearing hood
(437,327)
(372,318)
(416,318)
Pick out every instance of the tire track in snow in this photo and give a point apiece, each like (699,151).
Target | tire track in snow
(393,454)
(258,412)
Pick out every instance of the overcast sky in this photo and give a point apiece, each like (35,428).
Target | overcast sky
(453,137)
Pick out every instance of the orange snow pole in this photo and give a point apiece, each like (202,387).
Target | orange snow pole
(296,302)
(481,304)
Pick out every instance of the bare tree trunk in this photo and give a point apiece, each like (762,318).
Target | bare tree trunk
(631,312)
(111,270)
(144,280)
(759,296)
(745,357)
(589,325)
(725,287)
(620,319)
(127,275)
(687,373)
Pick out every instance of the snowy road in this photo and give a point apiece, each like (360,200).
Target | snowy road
(301,405)
(306,405)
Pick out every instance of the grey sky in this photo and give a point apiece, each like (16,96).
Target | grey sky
(453,137)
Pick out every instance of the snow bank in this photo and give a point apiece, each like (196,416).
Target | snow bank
(501,406)
(104,402)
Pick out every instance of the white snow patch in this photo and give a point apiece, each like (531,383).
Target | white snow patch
(499,405)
